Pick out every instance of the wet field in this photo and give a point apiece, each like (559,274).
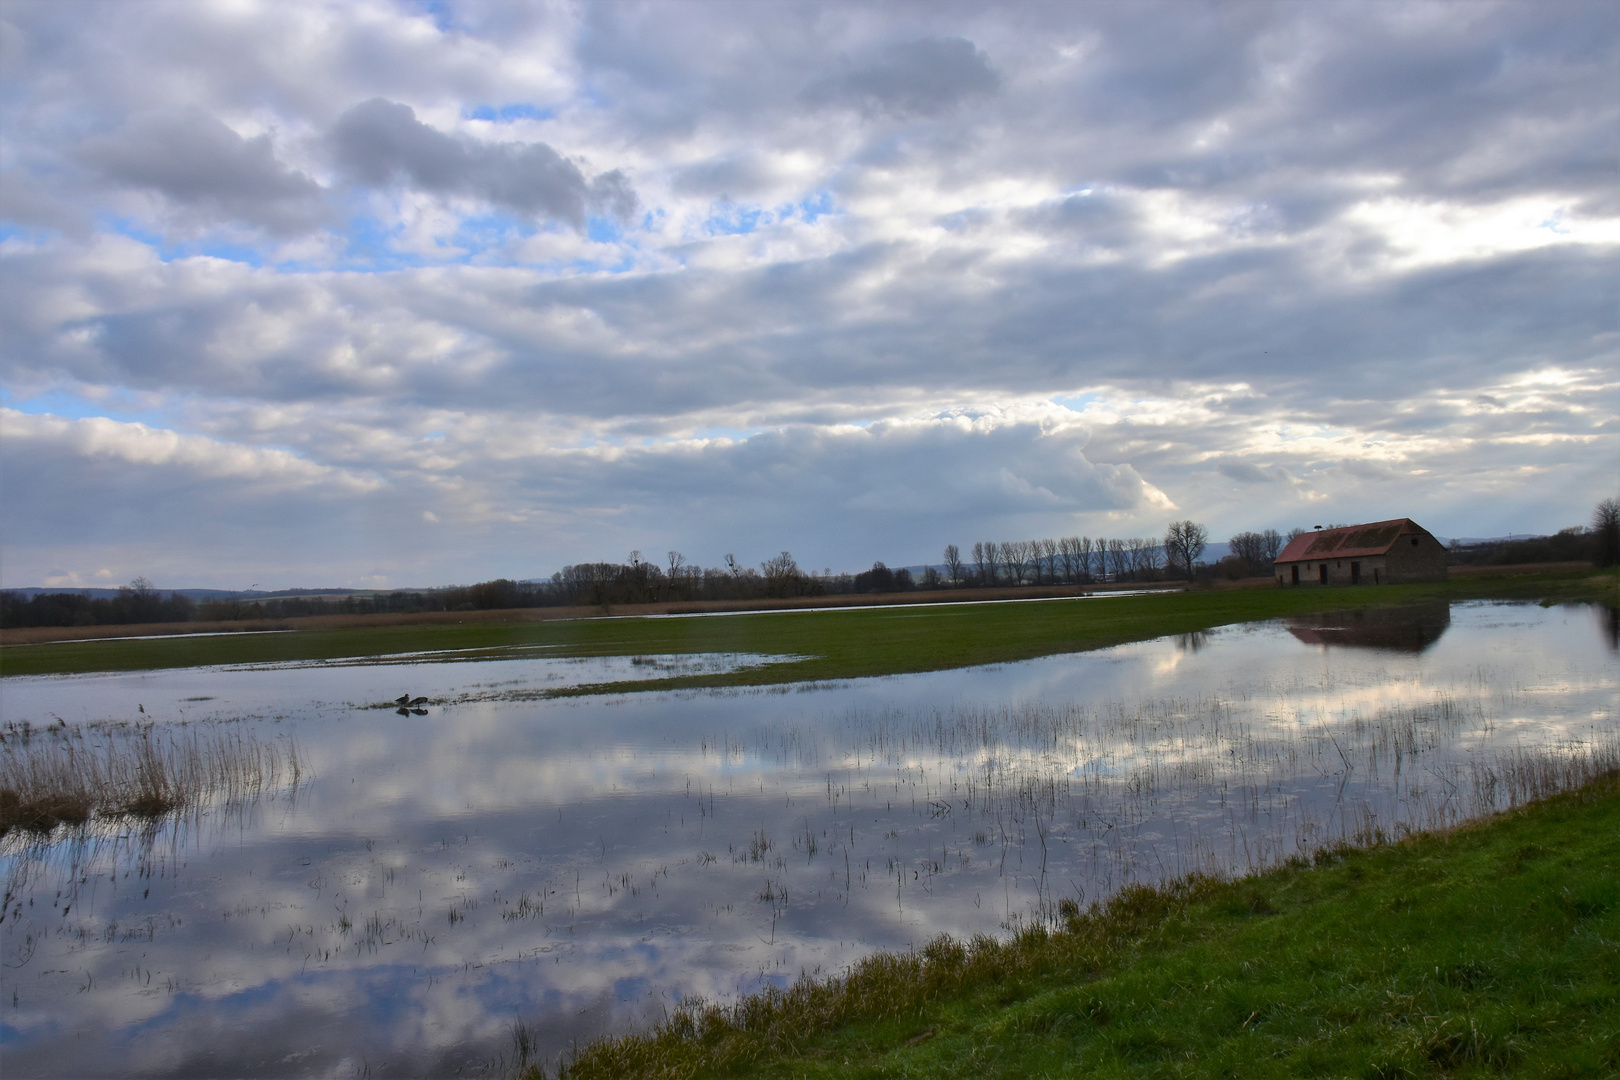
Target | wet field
(423,881)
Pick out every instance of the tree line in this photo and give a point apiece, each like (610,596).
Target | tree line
(1080,560)
(1071,560)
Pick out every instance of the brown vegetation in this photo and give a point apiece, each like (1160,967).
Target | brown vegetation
(60,776)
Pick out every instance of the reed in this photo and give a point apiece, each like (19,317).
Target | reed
(64,776)
(1367,957)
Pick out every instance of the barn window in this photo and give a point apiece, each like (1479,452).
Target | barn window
(1414,541)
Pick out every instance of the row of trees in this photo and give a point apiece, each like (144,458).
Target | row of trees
(1078,560)
(137,602)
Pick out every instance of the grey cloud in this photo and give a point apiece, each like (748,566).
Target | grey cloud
(837,495)
(378,142)
(1097,218)
(1246,472)
(198,162)
(795,335)
(25,201)
(734,176)
(916,78)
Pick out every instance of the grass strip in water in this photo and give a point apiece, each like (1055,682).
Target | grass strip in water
(1488,950)
(827,644)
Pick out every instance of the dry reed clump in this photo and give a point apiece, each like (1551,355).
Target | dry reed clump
(62,777)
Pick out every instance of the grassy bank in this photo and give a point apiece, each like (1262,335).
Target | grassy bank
(825,644)
(1490,950)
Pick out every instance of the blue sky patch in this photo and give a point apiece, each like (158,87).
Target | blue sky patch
(506,114)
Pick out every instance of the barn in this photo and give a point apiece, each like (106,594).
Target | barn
(1377,553)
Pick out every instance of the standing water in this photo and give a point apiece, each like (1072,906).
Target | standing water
(392,890)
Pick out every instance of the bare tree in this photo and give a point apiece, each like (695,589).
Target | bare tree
(1184,541)
(1065,546)
(677,573)
(1250,549)
(1099,555)
(1082,557)
(953,564)
(1049,555)
(1134,548)
(1152,555)
(1606,524)
(782,576)
(1118,558)
(985,555)
(1273,545)
(1012,559)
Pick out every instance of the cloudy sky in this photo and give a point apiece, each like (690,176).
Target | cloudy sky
(373,293)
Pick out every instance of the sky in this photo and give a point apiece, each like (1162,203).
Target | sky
(385,294)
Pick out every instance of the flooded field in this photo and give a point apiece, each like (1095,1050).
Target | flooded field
(403,883)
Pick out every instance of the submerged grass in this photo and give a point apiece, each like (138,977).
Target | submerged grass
(61,776)
(815,645)
(1479,951)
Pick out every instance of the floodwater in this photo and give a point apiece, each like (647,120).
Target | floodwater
(582,865)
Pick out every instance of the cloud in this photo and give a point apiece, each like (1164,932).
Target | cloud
(914,78)
(1247,472)
(378,143)
(200,164)
(1356,259)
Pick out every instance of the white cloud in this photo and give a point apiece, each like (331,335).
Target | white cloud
(361,256)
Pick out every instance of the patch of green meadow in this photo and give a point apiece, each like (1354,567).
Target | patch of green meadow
(1490,950)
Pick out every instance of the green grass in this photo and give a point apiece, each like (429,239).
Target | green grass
(1488,951)
(827,644)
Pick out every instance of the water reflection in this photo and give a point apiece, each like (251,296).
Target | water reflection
(1409,628)
(583,863)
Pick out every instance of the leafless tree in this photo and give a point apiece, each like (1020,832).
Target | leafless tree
(1273,544)
(1184,541)
(985,555)
(1012,559)
(1065,546)
(1049,554)
(1606,524)
(1082,557)
(953,564)
(782,576)
(1099,555)
(1118,558)
(677,574)
(1152,557)
(1134,547)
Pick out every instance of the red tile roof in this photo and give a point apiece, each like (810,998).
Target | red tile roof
(1351,541)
